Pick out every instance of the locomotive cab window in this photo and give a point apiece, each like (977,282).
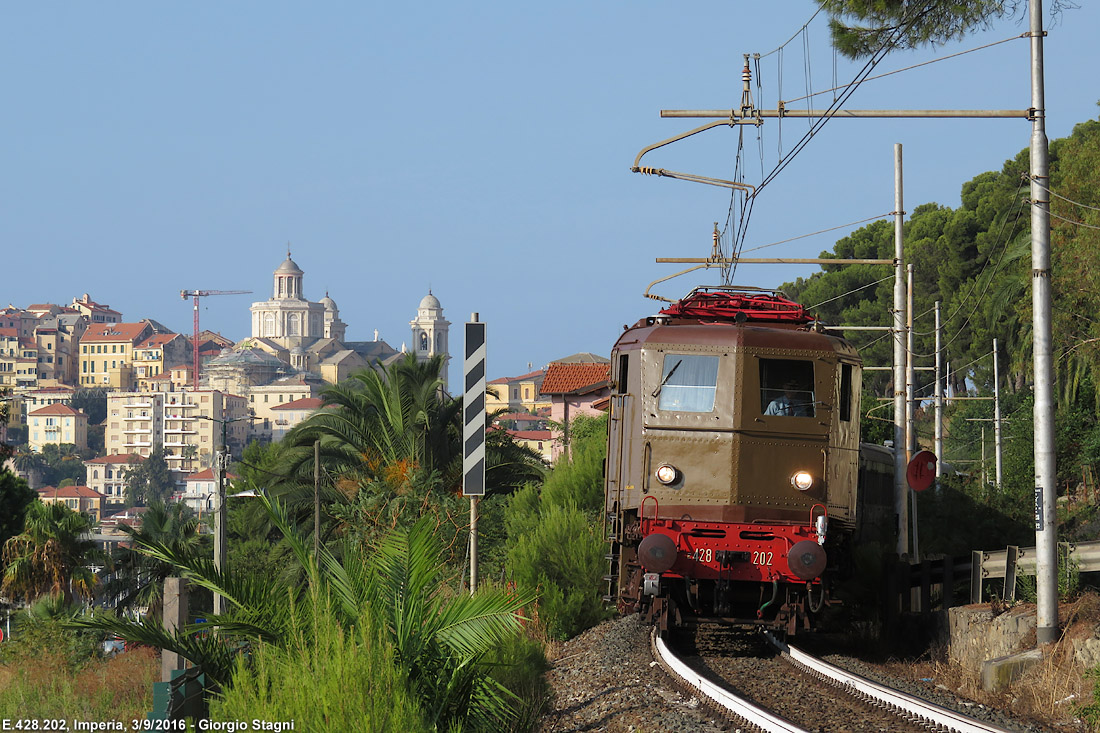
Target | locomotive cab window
(787,388)
(688,383)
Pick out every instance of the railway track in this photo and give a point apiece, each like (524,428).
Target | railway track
(762,684)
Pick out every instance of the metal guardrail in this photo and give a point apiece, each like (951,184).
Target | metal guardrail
(1014,561)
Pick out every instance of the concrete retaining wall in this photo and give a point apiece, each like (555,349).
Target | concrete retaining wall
(976,635)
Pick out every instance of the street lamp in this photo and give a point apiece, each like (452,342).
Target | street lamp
(221,467)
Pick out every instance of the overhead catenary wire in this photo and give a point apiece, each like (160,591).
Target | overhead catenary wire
(1057,195)
(917,66)
(820,231)
(977,280)
(1071,221)
(853,291)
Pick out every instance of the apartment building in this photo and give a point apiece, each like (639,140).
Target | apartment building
(9,353)
(265,402)
(517,394)
(107,354)
(78,498)
(59,424)
(58,338)
(290,414)
(95,312)
(188,425)
(26,362)
(159,353)
(107,475)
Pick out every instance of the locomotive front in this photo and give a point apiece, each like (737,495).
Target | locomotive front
(732,461)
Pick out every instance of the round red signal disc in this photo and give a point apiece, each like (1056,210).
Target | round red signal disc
(921,472)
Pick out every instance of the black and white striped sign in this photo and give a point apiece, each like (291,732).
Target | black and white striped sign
(473,408)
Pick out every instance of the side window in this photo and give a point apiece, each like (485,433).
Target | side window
(846,392)
(688,383)
(787,388)
(624,372)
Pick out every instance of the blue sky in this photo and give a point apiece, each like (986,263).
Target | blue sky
(480,150)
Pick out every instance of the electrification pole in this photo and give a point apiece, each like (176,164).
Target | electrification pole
(939,402)
(221,465)
(1046,475)
(901,488)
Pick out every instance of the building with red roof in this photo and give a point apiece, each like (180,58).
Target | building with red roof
(78,498)
(107,475)
(573,388)
(289,414)
(59,424)
(107,352)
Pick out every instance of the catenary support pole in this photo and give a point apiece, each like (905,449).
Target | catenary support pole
(1046,476)
(938,448)
(901,489)
(998,463)
(221,465)
(910,403)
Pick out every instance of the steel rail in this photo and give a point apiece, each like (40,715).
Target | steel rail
(931,713)
(753,716)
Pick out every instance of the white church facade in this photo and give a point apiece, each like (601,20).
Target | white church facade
(309,339)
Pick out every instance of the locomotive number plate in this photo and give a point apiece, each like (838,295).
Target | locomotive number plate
(762,558)
(703,555)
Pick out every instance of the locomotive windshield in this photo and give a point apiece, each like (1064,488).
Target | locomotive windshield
(687,383)
(787,388)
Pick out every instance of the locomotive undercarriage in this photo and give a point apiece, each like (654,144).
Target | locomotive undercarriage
(787,607)
(673,599)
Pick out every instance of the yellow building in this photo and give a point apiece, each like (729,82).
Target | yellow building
(107,354)
(107,475)
(188,425)
(160,352)
(59,424)
(78,498)
(9,355)
(517,394)
(264,401)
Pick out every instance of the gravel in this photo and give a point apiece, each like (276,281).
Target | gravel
(606,680)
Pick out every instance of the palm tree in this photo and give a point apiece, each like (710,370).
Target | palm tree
(400,416)
(29,465)
(51,555)
(376,419)
(138,580)
(440,639)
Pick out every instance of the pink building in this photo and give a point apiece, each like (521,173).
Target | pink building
(573,389)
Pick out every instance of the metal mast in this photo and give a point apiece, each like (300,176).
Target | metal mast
(1046,475)
(901,488)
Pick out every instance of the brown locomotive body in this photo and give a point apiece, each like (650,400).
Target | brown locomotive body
(733,461)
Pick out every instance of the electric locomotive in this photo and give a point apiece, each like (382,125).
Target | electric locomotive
(731,481)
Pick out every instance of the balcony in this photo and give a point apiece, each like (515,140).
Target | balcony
(137,431)
(139,405)
(181,431)
(138,444)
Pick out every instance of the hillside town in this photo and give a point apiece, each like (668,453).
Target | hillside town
(84,382)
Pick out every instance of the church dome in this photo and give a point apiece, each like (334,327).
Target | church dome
(430,301)
(289,267)
(328,303)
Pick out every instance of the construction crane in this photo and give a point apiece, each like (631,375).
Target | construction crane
(196,294)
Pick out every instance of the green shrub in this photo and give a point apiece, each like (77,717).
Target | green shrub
(519,665)
(562,558)
(330,679)
(556,533)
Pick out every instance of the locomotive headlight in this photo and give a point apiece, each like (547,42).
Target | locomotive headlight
(803,481)
(667,474)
